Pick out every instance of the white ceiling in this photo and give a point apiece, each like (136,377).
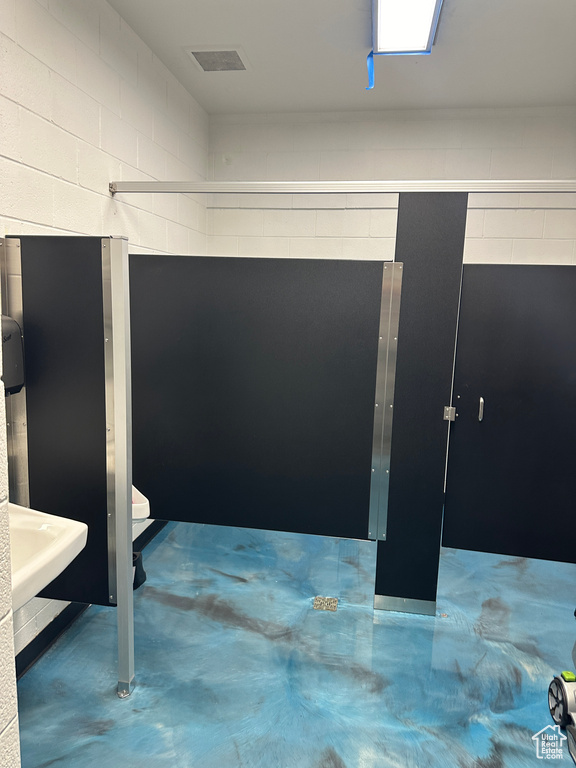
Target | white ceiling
(310,55)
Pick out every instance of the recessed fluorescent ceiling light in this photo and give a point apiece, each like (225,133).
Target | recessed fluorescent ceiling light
(405,26)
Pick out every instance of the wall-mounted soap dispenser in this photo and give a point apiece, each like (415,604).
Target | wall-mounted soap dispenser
(12,356)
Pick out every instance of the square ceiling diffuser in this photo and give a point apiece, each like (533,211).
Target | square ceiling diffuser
(218,61)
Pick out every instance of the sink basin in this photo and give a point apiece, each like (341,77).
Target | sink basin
(41,546)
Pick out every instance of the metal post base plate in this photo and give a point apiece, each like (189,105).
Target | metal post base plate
(404,605)
(124,689)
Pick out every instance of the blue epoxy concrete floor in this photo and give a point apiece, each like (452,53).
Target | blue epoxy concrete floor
(236,670)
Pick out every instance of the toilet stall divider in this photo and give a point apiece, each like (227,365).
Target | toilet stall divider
(257,393)
(258,383)
(71,436)
(69,432)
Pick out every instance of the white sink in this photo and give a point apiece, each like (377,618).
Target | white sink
(41,546)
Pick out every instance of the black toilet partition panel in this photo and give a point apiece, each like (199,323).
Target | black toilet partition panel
(511,483)
(63,332)
(253,390)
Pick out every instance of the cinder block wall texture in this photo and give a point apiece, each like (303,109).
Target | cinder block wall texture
(538,143)
(83,101)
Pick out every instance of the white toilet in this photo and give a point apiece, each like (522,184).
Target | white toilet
(140,513)
(140,506)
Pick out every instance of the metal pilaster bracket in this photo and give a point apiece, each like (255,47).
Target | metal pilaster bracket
(450,413)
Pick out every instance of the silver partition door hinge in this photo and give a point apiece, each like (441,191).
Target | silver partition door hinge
(449,413)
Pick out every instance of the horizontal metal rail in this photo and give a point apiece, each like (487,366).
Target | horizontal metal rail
(343,187)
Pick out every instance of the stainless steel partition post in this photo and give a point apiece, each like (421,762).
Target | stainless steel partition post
(384,400)
(119,449)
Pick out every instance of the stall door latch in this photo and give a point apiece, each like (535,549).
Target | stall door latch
(450,413)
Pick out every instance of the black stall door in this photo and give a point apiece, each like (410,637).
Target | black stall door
(511,483)
(253,390)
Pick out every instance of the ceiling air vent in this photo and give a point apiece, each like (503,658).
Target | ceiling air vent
(218,61)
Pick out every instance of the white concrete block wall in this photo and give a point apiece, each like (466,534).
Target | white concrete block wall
(83,101)
(521,229)
(303,226)
(432,144)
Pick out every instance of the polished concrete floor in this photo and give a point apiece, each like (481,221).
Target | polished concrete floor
(235,669)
